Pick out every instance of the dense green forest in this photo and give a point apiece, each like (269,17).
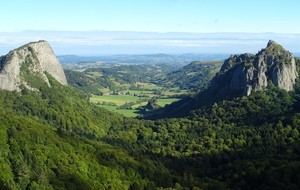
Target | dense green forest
(54,138)
(87,84)
(194,76)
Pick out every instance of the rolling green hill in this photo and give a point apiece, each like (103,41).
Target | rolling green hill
(194,76)
(116,78)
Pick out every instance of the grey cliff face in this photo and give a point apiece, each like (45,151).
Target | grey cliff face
(247,73)
(42,58)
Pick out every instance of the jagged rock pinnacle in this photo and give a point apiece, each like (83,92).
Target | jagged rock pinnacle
(271,42)
(246,73)
(43,60)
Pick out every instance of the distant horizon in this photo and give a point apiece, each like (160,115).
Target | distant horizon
(296,54)
(99,43)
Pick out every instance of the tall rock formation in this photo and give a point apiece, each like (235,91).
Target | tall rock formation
(245,73)
(36,58)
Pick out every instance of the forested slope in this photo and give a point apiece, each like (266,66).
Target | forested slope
(54,138)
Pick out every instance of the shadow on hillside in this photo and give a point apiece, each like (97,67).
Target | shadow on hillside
(248,168)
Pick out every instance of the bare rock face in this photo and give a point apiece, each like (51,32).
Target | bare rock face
(36,58)
(246,73)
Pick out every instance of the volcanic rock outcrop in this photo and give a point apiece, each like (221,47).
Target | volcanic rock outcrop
(246,73)
(37,58)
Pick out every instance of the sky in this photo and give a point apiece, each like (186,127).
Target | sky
(51,20)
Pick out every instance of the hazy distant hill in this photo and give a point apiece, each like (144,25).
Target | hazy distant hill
(180,59)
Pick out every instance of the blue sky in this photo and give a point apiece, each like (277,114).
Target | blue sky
(202,16)
(154,16)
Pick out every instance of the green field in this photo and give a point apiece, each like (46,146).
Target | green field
(105,91)
(141,93)
(146,92)
(79,70)
(117,99)
(127,113)
(163,102)
(140,104)
(95,74)
(169,93)
(122,99)
(148,86)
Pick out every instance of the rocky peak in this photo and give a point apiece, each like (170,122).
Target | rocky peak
(234,60)
(272,43)
(246,73)
(36,58)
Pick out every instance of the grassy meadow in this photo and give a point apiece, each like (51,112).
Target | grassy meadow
(128,102)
